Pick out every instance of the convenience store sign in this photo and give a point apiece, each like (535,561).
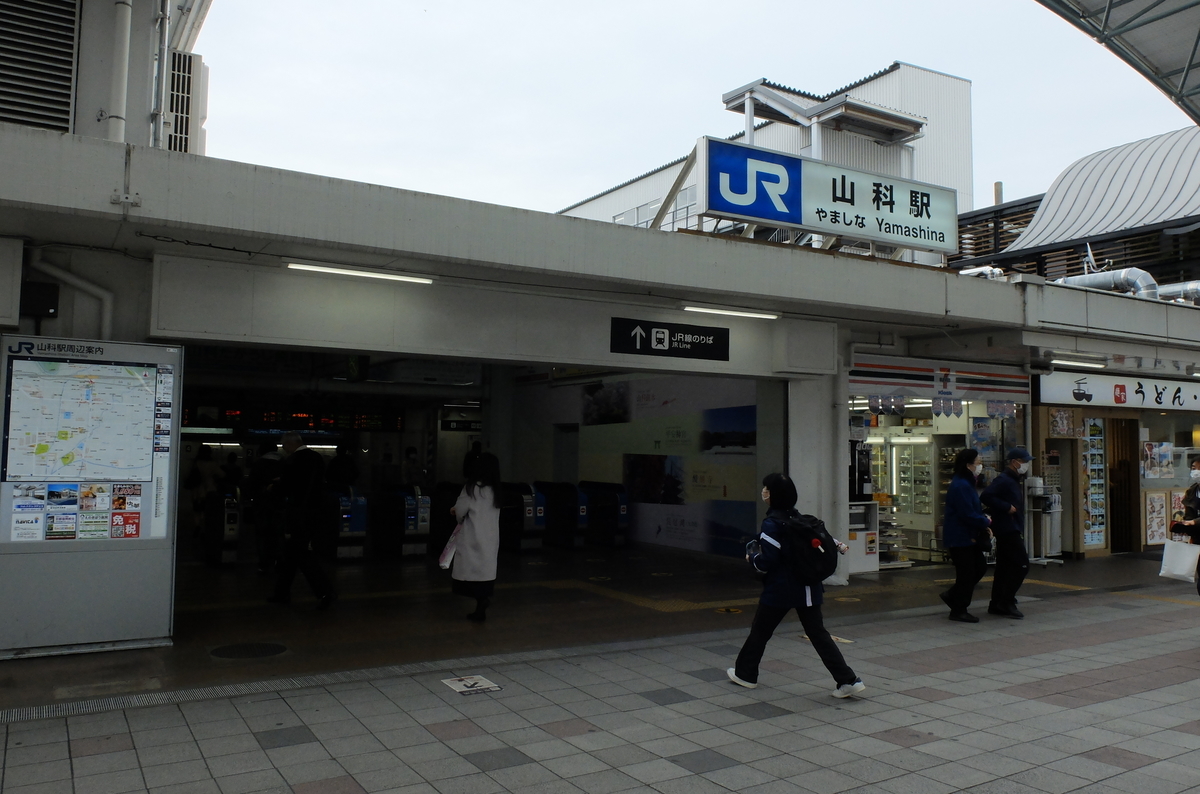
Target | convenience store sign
(771,188)
(1119,391)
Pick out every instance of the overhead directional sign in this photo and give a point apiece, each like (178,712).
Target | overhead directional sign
(771,188)
(672,340)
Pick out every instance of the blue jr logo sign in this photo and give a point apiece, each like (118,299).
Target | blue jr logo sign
(750,183)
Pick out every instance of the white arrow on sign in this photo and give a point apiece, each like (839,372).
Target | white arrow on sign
(638,334)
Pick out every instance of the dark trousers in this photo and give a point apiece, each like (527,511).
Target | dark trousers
(297,555)
(1012,565)
(766,619)
(969,568)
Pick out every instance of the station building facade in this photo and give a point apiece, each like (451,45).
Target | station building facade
(394,320)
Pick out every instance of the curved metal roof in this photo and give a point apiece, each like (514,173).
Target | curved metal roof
(1158,38)
(1149,182)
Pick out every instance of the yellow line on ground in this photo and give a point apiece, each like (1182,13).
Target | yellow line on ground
(1059,585)
(1193,603)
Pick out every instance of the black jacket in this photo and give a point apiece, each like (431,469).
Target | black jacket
(1005,492)
(782,587)
(302,486)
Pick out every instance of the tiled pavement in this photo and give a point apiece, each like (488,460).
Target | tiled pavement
(1096,693)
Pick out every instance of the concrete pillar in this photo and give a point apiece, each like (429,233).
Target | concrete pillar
(818,448)
(498,419)
(772,433)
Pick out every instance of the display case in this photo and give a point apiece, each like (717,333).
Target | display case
(893,544)
(913,478)
(879,469)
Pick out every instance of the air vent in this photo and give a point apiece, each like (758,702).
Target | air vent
(185,103)
(37,62)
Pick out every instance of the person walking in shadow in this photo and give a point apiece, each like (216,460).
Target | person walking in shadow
(966,535)
(1005,500)
(478,510)
(302,489)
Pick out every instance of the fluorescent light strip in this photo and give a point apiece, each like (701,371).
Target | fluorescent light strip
(910,440)
(1088,364)
(874,440)
(344,271)
(731,313)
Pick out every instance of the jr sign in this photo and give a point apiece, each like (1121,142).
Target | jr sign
(775,189)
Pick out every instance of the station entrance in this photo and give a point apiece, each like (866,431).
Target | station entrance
(634,490)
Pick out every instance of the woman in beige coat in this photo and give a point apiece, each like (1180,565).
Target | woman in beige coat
(478,510)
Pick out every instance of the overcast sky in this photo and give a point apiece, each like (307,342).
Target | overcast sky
(539,104)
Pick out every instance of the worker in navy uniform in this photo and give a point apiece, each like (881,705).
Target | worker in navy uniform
(1005,500)
(302,490)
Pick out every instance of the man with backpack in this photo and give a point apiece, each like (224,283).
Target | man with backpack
(796,553)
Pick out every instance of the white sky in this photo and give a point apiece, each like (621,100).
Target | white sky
(539,104)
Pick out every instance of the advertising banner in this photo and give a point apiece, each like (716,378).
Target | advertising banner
(771,188)
(1119,391)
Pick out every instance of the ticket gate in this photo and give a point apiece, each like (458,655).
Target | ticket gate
(522,517)
(607,513)
(415,521)
(352,525)
(231,526)
(566,509)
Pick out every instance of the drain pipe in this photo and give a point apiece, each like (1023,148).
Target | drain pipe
(161,76)
(118,90)
(72,280)
(1187,291)
(1130,279)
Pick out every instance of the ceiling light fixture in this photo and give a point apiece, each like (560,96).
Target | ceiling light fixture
(1062,362)
(346,271)
(732,313)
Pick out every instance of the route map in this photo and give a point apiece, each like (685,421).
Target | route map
(80,421)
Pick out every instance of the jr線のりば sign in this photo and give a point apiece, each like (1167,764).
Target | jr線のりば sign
(775,189)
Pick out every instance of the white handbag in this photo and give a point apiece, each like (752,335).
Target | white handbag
(1179,561)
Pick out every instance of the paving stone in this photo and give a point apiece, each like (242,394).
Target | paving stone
(760,711)
(343,784)
(108,783)
(284,737)
(700,761)
(489,760)
(109,743)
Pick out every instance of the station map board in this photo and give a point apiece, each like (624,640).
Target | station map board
(87,479)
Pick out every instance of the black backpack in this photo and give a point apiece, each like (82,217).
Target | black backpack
(812,550)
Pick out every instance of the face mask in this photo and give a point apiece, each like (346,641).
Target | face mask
(1023,468)
(974,470)
(1194,474)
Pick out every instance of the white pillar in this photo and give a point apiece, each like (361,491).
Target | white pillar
(818,449)
(817,152)
(119,85)
(748,108)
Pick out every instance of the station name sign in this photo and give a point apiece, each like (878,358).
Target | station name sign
(672,340)
(771,188)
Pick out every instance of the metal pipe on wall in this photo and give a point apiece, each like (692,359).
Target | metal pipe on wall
(1188,291)
(1129,279)
(119,87)
(161,76)
(72,280)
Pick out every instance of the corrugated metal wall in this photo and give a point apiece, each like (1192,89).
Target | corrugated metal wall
(944,155)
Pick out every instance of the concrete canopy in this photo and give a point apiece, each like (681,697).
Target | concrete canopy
(1158,38)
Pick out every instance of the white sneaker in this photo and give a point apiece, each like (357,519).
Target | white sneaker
(846,690)
(733,677)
